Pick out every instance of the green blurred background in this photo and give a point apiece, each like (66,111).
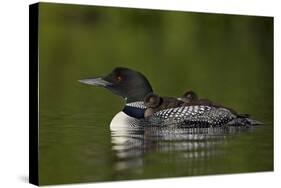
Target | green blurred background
(227,58)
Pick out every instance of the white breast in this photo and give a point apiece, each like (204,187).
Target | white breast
(122,121)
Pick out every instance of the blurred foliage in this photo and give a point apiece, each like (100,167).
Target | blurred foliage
(224,57)
(227,58)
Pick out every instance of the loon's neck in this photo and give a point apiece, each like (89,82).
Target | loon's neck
(138,93)
(135,109)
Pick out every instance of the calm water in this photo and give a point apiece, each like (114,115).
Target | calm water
(226,58)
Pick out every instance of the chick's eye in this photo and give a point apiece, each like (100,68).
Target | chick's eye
(119,78)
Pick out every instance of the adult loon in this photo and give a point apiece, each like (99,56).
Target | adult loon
(134,87)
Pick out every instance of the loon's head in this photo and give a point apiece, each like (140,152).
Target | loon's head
(189,96)
(124,82)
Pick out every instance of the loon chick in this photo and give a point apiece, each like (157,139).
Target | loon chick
(156,103)
(192,98)
(133,87)
(189,96)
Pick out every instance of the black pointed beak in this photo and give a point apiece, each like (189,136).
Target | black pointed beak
(97,81)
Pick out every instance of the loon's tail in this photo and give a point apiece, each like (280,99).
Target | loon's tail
(244,120)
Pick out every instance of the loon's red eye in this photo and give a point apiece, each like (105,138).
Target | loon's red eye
(119,78)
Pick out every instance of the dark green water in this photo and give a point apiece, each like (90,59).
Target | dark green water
(228,59)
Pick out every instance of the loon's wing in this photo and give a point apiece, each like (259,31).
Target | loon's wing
(181,112)
(193,115)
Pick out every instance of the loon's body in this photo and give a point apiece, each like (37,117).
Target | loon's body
(193,115)
(134,87)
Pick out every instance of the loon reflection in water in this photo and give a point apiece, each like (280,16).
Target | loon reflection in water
(188,145)
(134,87)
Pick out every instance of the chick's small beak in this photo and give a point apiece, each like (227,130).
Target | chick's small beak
(98,81)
